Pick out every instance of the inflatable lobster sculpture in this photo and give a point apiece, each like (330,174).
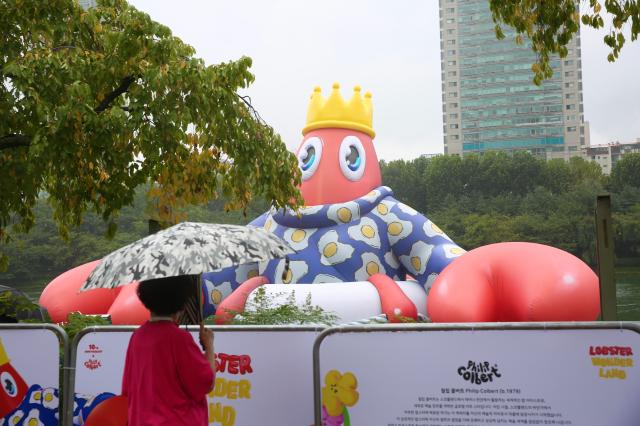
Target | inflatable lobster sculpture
(352,230)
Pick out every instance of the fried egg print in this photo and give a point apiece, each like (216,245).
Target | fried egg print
(391,260)
(246,271)
(216,293)
(371,196)
(33,418)
(15,418)
(397,229)
(331,250)
(270,225)
(298,239)
(433,230)
(49,399)
(366,231)
(371,265)
(310,210)
(452,250)
(383,209)
(416,261)
(297,270)
(344,213)
(430,280)
(36,397)
(406,209)
(325,278)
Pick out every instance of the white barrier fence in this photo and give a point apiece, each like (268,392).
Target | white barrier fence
(265,374)
(30,374)
(445,375)
(391,375)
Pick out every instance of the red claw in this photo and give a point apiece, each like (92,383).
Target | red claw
(515,282)
(237,300)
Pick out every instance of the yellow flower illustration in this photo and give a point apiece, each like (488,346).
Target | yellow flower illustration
(339,390)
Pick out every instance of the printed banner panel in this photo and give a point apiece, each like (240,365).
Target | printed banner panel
(263,377)
(481,377)
(29,377)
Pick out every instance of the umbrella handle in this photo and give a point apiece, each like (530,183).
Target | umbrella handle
(200,334)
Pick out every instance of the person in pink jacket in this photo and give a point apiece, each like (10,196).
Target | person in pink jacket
(166,376)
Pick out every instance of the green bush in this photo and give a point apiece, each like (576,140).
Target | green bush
(263,310)
(76,322)
(15,307)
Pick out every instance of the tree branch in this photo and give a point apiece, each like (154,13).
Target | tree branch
(14,141)
(55,49)
(124,86)
(256,115)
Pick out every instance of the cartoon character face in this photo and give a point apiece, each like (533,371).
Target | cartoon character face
(14,389)
(337,165)
(9,384)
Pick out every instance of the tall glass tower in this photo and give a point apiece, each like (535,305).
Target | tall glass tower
(489,101)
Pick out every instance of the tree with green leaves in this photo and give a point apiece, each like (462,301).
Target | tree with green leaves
(398,173)
(267,309)
(627,232)
(626,171)
(94,103)
(483,199)
(551,24)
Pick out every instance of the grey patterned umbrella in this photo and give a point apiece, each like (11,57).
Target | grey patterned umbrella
(187,248)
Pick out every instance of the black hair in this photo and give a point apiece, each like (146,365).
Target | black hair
(166,296)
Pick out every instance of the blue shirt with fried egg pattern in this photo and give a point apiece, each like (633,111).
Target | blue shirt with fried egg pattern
(345,242)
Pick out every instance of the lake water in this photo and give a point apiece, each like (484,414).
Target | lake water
(628,292)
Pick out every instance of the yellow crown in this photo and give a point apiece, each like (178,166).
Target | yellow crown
(334,111)
(4,359)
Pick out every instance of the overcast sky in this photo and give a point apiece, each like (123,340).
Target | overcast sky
(391,48)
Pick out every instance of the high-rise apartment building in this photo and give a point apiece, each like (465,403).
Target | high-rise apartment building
(606,156)
(489,101)
(86,4)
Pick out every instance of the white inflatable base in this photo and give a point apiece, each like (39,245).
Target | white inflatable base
(349,301)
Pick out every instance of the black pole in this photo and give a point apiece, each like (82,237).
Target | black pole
(605,257)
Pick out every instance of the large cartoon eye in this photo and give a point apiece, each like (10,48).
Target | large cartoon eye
(9,384)
(352,158)
(309,156)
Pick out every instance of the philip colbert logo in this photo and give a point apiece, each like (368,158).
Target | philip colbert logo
(479,372)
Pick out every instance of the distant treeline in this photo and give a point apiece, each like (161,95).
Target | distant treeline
(477,200)
(41,255)
(495,197)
